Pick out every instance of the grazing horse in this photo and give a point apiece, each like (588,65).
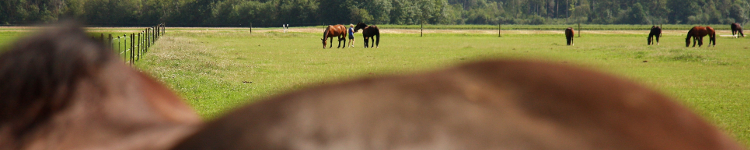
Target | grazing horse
(334,31)
(484,105)
(368,32)
(697,33)
(655,32)
(737,29)
(569,33)
(61,89)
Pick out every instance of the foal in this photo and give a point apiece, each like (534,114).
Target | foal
(60,89)
(485,105)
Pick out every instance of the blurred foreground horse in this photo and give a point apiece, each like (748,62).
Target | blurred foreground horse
(60,89)
(484,105)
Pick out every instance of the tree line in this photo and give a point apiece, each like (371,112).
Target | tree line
(320,12)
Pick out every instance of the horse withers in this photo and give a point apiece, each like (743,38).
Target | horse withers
(569,33)
(484,105)
(61,89)
(655,33)
(334,31)
(697,33)
(368,32)
(737,29)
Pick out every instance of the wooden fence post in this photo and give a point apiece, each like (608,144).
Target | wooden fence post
(499,29)
(132,47)
(579,29)
(251,27)
(421,27)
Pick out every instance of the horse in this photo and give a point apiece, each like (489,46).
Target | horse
(334,31)
(698,33)
(64,90)
(495,104)
(569,33)
(655,32)
(737,29)
(368,32)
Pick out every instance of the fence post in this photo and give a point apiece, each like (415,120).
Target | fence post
(421,27)
(132,47)
(140,46)
(251,27)
(579,29)
(499,29)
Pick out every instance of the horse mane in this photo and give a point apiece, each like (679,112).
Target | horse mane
(38,74)
(690,32)
(325,33)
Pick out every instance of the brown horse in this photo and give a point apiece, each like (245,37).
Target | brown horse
(737,29)
(698,33)
(334,31)
(369,32)
(655,32)
(61,89)
(485,105)
(569,33)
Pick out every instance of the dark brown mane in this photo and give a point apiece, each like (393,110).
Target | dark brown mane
(38,72)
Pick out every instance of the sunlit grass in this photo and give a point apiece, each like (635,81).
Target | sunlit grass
(220,70)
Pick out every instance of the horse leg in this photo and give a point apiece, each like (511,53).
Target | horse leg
(657,39)
(331,43)
(377,44)
(695,41)
(649,39)
(567,39)
(373,42)
(366,41)
(700,41)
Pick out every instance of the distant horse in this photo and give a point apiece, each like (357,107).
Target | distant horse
(569,33)
(334,31)
(368,32)
(61,89)
(655,32)
(697,33)
(485,105)
(737,29)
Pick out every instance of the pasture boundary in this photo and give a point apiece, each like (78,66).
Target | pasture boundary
(132,47)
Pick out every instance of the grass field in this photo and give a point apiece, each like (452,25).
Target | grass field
(216,70)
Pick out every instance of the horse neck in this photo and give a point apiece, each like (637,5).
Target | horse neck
(325,33)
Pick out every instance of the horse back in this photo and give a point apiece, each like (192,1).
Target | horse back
(569,32)
(485,105)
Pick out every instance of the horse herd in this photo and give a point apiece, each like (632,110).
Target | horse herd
(697,33)
(339,31)
(64,90)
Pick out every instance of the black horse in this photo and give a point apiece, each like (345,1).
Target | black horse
(655,32)
(368,32)
(737,29)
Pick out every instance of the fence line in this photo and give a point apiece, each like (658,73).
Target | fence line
(132,47)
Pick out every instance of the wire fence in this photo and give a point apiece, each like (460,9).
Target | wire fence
(132,47)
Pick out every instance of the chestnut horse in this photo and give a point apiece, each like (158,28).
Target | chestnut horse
(484,105)
(334,31)
(64,90)
(569,33)
(737,29)
(698,33)
(655,32)
(368,32)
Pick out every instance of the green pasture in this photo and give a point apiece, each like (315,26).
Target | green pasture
(218,70)
(554,26)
